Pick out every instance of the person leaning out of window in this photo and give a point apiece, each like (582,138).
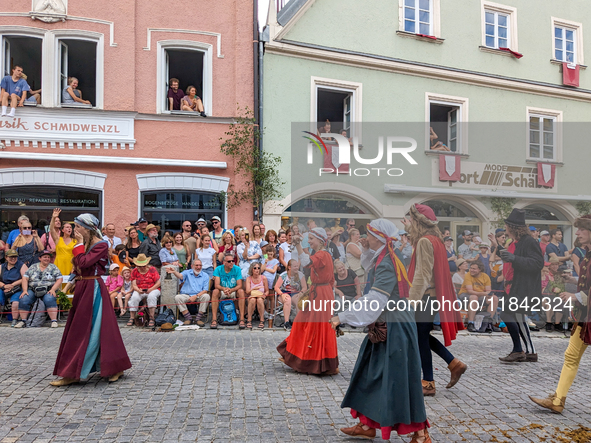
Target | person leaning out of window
(192,102)
(11,279)
(71,94)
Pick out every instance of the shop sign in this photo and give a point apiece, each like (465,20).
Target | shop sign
(181,201)
(89,201)
(494,176)
(69,127)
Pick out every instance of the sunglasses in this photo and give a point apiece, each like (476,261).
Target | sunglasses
(256,267)
(229,261)
(215,221)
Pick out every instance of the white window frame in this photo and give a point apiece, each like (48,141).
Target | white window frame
(66,34)
(511,12)
(545,113)
(577,27)
(448,100)
(435,25)
(354,88)
(207,50)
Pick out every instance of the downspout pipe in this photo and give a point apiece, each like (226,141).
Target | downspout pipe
(258,87)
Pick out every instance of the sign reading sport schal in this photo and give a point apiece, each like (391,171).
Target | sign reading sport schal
(494,176)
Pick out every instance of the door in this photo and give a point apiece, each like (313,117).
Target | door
(6,57)
(452,129)
(63,54)
(347,114)
(166,77)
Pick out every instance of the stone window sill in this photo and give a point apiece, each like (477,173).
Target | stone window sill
(420,37)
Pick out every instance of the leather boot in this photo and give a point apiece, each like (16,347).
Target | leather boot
(428,388)
(457,368)
(549,403)
(358,431)
(416,436)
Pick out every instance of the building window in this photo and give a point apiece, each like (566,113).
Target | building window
(418,16)
(190,64)
(544,136)
(496,29)
(77,59)
(565,44)
(25,52)
(446,117)
(567,41)
(169,209)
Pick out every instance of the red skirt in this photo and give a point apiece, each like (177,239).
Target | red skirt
(400,428)
(311,347)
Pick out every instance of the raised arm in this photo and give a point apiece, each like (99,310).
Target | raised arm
(55,235)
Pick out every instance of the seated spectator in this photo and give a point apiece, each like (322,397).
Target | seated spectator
(120,257)
(192,102)
(34,96)
(175,95)
(167,254)
(228,285)
(436,145)
(206,253)
(114,284)
(458,277)
(289,287)
(126,290)
(325,129)
(13,90)
(257,289)
(477,284)
(71,93)
(451,254)
(347,284)
(150,247)
(40,281)
(248,252)
(195,289)
(146,283)
(11,281)
(484,256)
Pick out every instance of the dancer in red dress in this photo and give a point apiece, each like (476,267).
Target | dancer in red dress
(312,344)
(91,341)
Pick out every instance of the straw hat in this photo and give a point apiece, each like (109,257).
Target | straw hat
(141,260)
(151,226)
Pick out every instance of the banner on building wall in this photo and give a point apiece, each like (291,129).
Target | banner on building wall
(494,176)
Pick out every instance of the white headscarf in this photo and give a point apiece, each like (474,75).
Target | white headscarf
(385,227)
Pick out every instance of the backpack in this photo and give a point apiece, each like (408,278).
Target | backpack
(227,312)
(38,314)
(167,316)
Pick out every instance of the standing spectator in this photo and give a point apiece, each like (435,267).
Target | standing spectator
(290,286)
(228,245)
(257,289)
(13,90)
(270,265)
(64,244)
(237,229)
(28,245)
(201,223)
(484,257)
(16,232)
(257,235)
(189,239)
(119,257)
(577,256)
(534,233)
(47,240)
(175,95)
(228,285)
(331,247)
(556,248)
(552,287)
(497,243)
(43,279)
(205,231)
(271,239)
(544,242)
(142,225)
(167,253)
(248,252)
(354,251)
(126,290)
(337,237)
(310,224)
(347,284)
(151,247)
(181,250)
(404,247)
(206,253)
(285,248)
(350,224)
(146,283)
(195,289)
(263,231)
(218,231)
(466,250)
(192,102)
(110,237)
(133,243)
(11,280)
(114,284)
(451,254)
(71,93)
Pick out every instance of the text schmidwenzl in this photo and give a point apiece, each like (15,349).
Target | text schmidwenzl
(344,155)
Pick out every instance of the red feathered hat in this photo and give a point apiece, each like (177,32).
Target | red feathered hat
(424,214)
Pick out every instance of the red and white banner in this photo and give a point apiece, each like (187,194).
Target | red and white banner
(449,168)
(546,174)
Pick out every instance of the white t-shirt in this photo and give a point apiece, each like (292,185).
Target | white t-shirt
(116,241)
(206,257)
(457,279)
(286,254)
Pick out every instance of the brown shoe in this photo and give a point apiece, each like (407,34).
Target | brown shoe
(416,436)
(531,357)
(64,382)
(187,322)
(333,372)
(514,357)
(358,431)
(457,368)
(115,377)
(549,403)
(428,388)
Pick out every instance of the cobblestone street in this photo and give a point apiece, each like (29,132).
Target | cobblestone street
(227,385)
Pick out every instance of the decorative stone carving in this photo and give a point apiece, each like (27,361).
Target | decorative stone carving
(49,11)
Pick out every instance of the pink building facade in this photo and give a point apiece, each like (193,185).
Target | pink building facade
(126,155)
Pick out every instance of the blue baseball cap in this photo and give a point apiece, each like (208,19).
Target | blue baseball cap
(499,230)
(532,228)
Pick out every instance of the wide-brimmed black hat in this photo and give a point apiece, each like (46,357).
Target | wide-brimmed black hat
(516,218)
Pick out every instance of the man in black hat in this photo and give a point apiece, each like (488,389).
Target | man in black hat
(523,262)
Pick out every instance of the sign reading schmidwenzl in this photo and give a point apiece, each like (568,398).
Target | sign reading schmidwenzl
(494,176)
